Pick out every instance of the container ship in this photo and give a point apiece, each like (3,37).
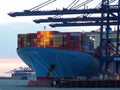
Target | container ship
(58,54)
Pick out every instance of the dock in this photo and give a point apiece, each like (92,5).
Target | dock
(87,83)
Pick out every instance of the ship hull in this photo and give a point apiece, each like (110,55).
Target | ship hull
(66,63)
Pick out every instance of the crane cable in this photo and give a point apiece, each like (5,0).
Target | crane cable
(82,4)
(73,4)
(41,5)
(69,7)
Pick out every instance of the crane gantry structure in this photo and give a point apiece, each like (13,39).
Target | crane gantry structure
(104,15)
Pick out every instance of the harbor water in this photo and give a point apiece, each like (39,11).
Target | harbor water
(9,84)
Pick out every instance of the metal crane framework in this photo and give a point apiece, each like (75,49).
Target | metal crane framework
(108,15)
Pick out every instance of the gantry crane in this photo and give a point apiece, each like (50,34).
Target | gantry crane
(108,16)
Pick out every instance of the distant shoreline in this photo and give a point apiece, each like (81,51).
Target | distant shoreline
(5,78)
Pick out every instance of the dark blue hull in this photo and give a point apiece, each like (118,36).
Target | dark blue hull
(66,63)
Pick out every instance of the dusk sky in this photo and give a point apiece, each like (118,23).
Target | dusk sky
(10,27)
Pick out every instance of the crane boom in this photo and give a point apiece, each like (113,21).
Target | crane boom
(59,12)
(80,19)
(53,12)
(92,23)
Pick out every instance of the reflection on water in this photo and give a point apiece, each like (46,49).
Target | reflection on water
(22,85)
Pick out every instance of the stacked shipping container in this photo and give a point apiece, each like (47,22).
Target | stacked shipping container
(75,41)
(44,38)
(87,44)
(72,41)
(22,40)
(27,40)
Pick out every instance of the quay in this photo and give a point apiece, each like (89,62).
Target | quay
(88,83)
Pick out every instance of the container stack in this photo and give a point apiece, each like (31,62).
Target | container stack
(87,44)
(27,40)
(70,41)
(56,40)
(32,39)
(44,38)
(74,41)
(22,40)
